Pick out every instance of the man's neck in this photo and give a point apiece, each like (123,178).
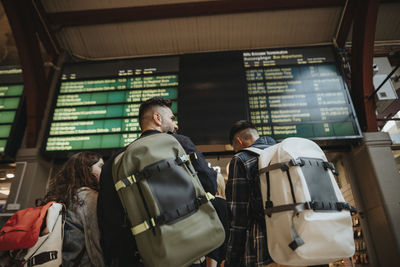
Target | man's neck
(149,132)
(151,128)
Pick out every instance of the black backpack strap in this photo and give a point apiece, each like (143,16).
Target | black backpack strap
(311,205)
(257,213)
(268,203)
(253,150)
(171,214)
(42,258)
(284,166)
(148,171)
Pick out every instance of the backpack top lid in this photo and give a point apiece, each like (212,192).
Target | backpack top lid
(23,228)
(144,152)
(295,147)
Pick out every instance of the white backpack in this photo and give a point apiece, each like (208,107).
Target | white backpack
(308,222)
(47,252)
(33,237)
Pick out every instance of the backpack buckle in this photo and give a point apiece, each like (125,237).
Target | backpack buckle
(344,206)
(284,167)
(182,159)
(329,165)
(298,161)
(313,205)
(308,205)
(352,209)
(297,242)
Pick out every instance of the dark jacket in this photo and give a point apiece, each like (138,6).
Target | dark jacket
(81,244)
(117,240)
(222,210)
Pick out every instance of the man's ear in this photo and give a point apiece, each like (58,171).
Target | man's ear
(157,118)
(239,140)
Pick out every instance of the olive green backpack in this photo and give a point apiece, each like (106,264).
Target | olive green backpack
(174,223)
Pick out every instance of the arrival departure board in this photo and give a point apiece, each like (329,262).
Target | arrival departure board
(97,104)
(11,93)
(298,92)
(284,92)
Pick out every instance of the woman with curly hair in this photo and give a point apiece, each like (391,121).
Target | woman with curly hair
(76,186)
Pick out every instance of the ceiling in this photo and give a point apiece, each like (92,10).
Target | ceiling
(103,29)
(201,33)
(8,50)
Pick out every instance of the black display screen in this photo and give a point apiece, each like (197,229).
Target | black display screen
(211,96)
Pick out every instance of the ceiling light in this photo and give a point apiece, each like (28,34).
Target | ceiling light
(5,191)
(10,175)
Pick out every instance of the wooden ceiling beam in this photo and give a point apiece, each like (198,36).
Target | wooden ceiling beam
(362,52)
(179,10)
(20,18)
(345,24)
(46,35)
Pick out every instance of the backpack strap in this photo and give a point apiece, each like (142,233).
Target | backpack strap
(284,166)
(254,150)
(148,171)
(257,152)
(311,205)
(171,214)
(42,258)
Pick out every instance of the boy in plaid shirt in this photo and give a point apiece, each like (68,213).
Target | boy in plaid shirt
(247,243)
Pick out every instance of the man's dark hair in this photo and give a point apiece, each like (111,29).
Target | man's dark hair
(239,126)
(149,103)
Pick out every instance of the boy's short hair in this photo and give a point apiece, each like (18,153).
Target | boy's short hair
(239,126)
(149,103)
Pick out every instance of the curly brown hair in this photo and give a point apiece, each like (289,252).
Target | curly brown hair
(75,173)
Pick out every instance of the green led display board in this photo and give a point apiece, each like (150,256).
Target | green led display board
(11,90)
(98,109)
(298,92)
(284,92)
(10,98)
(82,142)
(119,84)
(125,96)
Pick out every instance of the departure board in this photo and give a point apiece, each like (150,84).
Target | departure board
(298,92)
(212,96)
(97,104)
(284,92)
(11,93)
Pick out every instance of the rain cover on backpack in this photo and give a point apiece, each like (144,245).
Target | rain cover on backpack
(308,222)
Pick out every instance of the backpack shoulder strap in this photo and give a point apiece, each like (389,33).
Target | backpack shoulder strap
(254,150)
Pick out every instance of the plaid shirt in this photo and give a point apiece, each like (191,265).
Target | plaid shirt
(247,244)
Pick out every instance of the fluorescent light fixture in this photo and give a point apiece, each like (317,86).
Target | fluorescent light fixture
(5,191)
